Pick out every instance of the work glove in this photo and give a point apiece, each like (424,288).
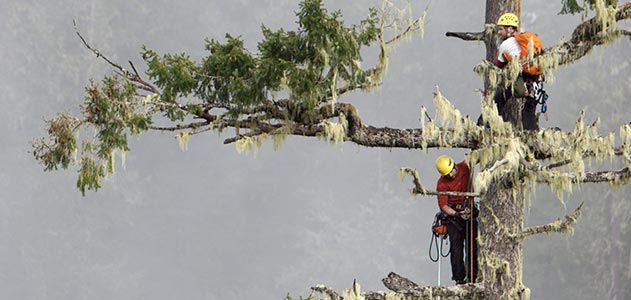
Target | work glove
(463,215)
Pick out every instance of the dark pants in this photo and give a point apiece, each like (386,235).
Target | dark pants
(459,229)
(529,118)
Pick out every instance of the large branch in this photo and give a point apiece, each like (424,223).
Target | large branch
(363,135)
(403,288)
(467,36)
(560,225)
(586,36)
(605,176)
(419,189)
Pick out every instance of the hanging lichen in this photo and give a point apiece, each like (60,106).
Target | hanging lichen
(183,138)
(110,166)
(279,135)
(421,25)
(336,132)
(605,16)
(353,293)
(249,144)
(625,137)
(448,113)
(430,133)
(334,89)
(123,154)
(508,165)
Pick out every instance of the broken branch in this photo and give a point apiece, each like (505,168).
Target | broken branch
(560,225)
(467,36)
(419,189)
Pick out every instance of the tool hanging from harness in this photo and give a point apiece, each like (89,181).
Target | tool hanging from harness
(530,46)
(534,88)
(439,232)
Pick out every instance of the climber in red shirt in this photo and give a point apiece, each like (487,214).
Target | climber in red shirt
(455,178)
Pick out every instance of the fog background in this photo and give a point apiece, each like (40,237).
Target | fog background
(210,223)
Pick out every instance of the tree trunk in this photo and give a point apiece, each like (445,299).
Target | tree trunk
(500,245)
(500,248)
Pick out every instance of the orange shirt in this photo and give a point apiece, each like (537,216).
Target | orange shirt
(456,184)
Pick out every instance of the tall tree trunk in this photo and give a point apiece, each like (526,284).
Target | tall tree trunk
(500,248)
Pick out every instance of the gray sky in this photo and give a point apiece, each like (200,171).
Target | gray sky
(210,223)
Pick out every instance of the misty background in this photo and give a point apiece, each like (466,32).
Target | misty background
(210,223)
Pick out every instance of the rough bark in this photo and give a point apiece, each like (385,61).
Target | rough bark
(403,288)
(500,253)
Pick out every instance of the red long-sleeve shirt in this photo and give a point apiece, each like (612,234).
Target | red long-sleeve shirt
(457,184)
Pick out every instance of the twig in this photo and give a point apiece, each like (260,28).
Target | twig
(467,36)
(419,189)
(123,72)
(195,125)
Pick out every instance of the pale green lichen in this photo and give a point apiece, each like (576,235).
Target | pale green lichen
(324,56)
(249,144)
(513,152)
(394,296)
(625,137)
(334,89)
(605,16)
(336,132)
(448,113)
(279,135)
(110,166)
(430,132)
(353,293)
(525,294)
(183,138)
(421,24)
(123,155)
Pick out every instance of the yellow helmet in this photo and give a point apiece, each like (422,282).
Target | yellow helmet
(508,19)
(444,165)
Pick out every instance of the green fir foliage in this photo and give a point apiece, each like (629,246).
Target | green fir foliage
(311,65)
(574,7)
(114,110)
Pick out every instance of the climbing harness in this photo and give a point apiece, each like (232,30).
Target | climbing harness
(439,236)
(534,86)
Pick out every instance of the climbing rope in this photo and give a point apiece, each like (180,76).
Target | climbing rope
(439,249)
(439,231)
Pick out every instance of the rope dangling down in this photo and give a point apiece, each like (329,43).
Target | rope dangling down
(439,231)
(439,249)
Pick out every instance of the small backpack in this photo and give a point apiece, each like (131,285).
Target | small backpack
(525,39)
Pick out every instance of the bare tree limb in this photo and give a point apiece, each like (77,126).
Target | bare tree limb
(123,72)
(178,127)
(406,289)
(560,225)
(325,291)
(398,283)
(467,36)
(419,189)
(605,176)
(412,27)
